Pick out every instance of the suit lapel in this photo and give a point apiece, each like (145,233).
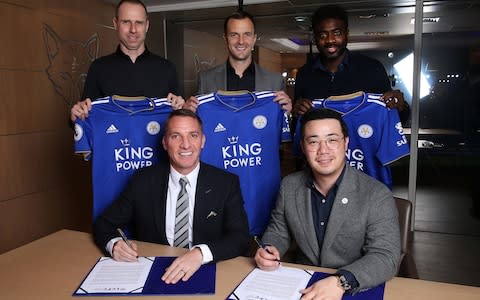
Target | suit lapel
(160,188)
(221,78)
(259,79)
(305,217)
(202,201)
(340,209)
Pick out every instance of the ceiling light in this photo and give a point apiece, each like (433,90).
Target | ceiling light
(300,19)
(426,20)
(287,43)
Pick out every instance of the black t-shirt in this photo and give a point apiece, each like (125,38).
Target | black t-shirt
(115,74)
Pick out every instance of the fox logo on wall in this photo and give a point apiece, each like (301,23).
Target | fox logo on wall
(68,63)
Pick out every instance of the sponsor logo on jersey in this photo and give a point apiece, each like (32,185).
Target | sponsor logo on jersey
(403,140)
(355,158)
(219,128)
(153,127)
(259,122)
(365,131)
(237,155)
(78,132)
(132,158)
(112,129)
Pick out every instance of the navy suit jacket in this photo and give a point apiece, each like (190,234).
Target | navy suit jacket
(142,207)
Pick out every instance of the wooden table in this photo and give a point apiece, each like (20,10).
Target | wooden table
(52,268)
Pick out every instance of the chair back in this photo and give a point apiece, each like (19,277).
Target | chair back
(407,264)
(404,207)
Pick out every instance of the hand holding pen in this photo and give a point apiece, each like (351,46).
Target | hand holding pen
(267,257)
(126,251)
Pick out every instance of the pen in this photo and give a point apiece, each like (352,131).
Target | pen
(124,238)
(262,245)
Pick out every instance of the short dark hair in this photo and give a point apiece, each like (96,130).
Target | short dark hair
(183,112)
(320,114)
(238,15)
(329,12)
(131,2)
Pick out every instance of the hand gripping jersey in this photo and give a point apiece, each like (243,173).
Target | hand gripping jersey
(375,132)
(243,136)
(122,134)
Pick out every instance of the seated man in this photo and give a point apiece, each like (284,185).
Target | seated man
(211,221)
(339,217)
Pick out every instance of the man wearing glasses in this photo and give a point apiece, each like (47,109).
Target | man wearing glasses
(339,217)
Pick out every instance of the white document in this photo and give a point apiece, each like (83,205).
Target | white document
(284,283)
(110,276)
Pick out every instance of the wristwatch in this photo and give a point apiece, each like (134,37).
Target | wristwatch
(343,282)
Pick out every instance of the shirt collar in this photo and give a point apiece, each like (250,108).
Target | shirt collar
(120,53)
(344,64)
(192,176)
(250,70)
(311,185)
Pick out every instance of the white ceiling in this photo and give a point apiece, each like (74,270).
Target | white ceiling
(372,23)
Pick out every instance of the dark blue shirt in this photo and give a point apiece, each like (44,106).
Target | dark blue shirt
(356,73)
(321,208)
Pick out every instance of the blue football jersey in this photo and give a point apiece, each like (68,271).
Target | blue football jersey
(243,136)
(120,135)
(375,132)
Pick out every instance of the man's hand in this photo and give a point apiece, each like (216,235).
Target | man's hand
(285,102)
(122,252)
(191,104)
(395,99)
(81,109)
(302,105)
(268,258)
(325,289)
(183,267)
(176,101)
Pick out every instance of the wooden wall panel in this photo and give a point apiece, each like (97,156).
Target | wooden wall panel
(35,215)
(270,60)
(31,104)
(290,60)
(43,185)
(201,51)
(36,161)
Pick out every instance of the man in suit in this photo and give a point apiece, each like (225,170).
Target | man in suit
(240,72)
(217,223)
(339,217)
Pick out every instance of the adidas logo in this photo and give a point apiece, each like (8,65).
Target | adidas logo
(112,129)
(219,128)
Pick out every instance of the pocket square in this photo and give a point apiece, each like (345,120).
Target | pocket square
(212,214)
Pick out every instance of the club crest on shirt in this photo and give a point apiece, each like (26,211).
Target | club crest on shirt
(153,127)
(365,131)
(259,122)
(78,133)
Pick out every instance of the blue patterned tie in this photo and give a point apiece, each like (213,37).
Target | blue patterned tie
(181,216)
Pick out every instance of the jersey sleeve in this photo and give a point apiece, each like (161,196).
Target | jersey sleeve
(82,139)
(394,143)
